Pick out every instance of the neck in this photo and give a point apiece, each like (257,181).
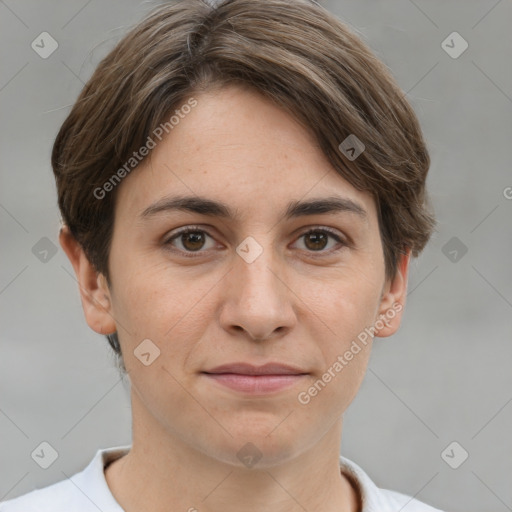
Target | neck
(161,473)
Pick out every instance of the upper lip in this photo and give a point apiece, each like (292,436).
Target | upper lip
(249,369)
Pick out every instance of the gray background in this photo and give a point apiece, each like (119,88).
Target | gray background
(444,377)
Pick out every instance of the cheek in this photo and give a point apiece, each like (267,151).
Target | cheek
(345,349)
(171,307)
(151,302)
(343,311)
(344,305)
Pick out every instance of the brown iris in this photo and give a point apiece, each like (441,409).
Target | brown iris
(196,239)
(317,238)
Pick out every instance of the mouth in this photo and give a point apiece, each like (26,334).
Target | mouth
(250,369)
(250,379)
(255,384)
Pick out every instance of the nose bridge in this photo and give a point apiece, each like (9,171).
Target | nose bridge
(258,300)
(256,265)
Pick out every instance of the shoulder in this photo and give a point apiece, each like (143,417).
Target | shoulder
(85,491)
(54,498)
(398,501)
(377,499)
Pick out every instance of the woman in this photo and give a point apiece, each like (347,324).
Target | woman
(242,188)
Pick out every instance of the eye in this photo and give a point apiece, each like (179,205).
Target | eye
(316,240)
(191,239)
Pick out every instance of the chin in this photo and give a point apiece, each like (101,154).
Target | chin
(258,447)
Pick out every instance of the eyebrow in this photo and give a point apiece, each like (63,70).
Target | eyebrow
(209,207)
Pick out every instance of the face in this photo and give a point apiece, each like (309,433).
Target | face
(256,287)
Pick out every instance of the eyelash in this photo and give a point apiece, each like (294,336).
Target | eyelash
(197,229)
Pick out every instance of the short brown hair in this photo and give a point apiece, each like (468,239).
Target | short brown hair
(296,54)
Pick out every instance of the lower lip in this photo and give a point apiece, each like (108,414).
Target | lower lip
(255,383)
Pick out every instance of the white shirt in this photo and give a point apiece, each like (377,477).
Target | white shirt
(88,491)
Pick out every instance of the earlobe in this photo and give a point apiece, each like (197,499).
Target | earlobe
(393,299)
(94,292)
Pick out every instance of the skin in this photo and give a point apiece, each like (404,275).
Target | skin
(292,304)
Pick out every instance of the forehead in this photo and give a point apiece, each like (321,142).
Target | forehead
(236,147)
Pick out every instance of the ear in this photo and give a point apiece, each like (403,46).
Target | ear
(393,299)
(94,291)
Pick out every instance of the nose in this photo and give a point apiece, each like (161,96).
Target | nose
(257,300)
